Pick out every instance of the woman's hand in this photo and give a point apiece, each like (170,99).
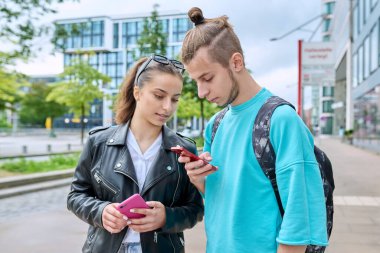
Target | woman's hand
(112,219)
(154,218)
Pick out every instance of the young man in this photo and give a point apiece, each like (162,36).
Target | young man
(241,211)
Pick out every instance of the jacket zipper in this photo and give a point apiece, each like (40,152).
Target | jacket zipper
(175,192)
(127,176)
(100,180)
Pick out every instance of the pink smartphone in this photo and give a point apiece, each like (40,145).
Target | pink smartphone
(134,201)
(184,152)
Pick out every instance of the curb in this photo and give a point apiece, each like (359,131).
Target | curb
(17,185)
(37,154)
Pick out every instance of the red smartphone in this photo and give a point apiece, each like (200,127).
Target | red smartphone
(184,152)
(134,201)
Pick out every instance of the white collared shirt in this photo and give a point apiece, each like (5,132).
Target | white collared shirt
(142,163)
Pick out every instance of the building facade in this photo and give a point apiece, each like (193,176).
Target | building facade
(356,36)
(110,43)
(323,95)
(366,73)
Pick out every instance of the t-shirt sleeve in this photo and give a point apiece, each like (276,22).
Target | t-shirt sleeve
(299,181)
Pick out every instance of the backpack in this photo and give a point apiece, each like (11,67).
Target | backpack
(266,157)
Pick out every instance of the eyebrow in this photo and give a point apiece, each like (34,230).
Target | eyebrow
(164,91)
(204,74)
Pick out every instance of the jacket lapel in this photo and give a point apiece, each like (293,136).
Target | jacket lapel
(161,168)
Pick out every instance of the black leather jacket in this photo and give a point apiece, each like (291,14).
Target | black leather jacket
(105,174)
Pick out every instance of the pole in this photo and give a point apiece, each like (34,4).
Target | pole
(299,97)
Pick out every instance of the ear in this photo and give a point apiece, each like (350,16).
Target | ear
(136,92)
(236,62)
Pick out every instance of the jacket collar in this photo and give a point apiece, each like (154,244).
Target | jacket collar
(119,137)
(162,166)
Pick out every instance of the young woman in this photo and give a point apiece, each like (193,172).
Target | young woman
(135,157)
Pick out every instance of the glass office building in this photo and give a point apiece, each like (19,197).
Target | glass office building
(110,43)
(366,73)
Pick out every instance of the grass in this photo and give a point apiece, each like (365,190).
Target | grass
(58,162)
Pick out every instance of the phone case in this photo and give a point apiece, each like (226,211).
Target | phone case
(182,151)
(134,201)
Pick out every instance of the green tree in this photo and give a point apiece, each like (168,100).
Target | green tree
(20,25)
(191,99)
(35,109)
(80,87)
(10,84)
(152,38)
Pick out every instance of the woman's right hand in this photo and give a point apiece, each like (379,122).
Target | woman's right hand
(198,170)
(113,221)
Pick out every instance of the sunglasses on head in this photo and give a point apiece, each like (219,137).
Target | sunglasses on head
(162,60)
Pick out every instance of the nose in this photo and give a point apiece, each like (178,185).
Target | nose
(203,91)
(167,105)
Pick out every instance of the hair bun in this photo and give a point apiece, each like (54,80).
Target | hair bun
(196,16)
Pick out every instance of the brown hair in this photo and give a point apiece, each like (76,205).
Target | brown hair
(217,34)
(126,102)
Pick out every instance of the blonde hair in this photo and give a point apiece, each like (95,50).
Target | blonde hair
(217,34)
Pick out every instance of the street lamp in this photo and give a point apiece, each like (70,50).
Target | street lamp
(298,28)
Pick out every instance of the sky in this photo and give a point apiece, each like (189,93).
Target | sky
(273,63)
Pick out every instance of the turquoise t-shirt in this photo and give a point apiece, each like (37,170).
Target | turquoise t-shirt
(241,212)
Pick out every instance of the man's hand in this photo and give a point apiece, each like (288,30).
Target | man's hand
(112,219)
(197,171)
(154,218)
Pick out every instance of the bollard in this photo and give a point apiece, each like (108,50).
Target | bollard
(24,149)
(69,147)
(49,148)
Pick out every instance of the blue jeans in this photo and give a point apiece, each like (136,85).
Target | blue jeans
(132,247)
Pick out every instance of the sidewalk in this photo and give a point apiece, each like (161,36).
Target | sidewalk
(356,198)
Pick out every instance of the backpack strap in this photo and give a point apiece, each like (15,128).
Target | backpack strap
(218,119)
(262,147)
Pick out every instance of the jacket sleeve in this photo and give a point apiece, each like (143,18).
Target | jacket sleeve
(188,211)
(81,199)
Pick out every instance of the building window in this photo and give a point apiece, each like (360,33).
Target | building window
(86,34)
(165,25)
(116,35)
(366,60)
(326,106)
(112,67)
(374,48)
(360,65)
(355,71)
(328,91)
(330,7)
(180,28)
(367,9)
(131,33)
(94,60)
(361,14)
(97,33)
(326,26)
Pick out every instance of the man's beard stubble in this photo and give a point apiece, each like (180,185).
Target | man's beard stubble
(234,90)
